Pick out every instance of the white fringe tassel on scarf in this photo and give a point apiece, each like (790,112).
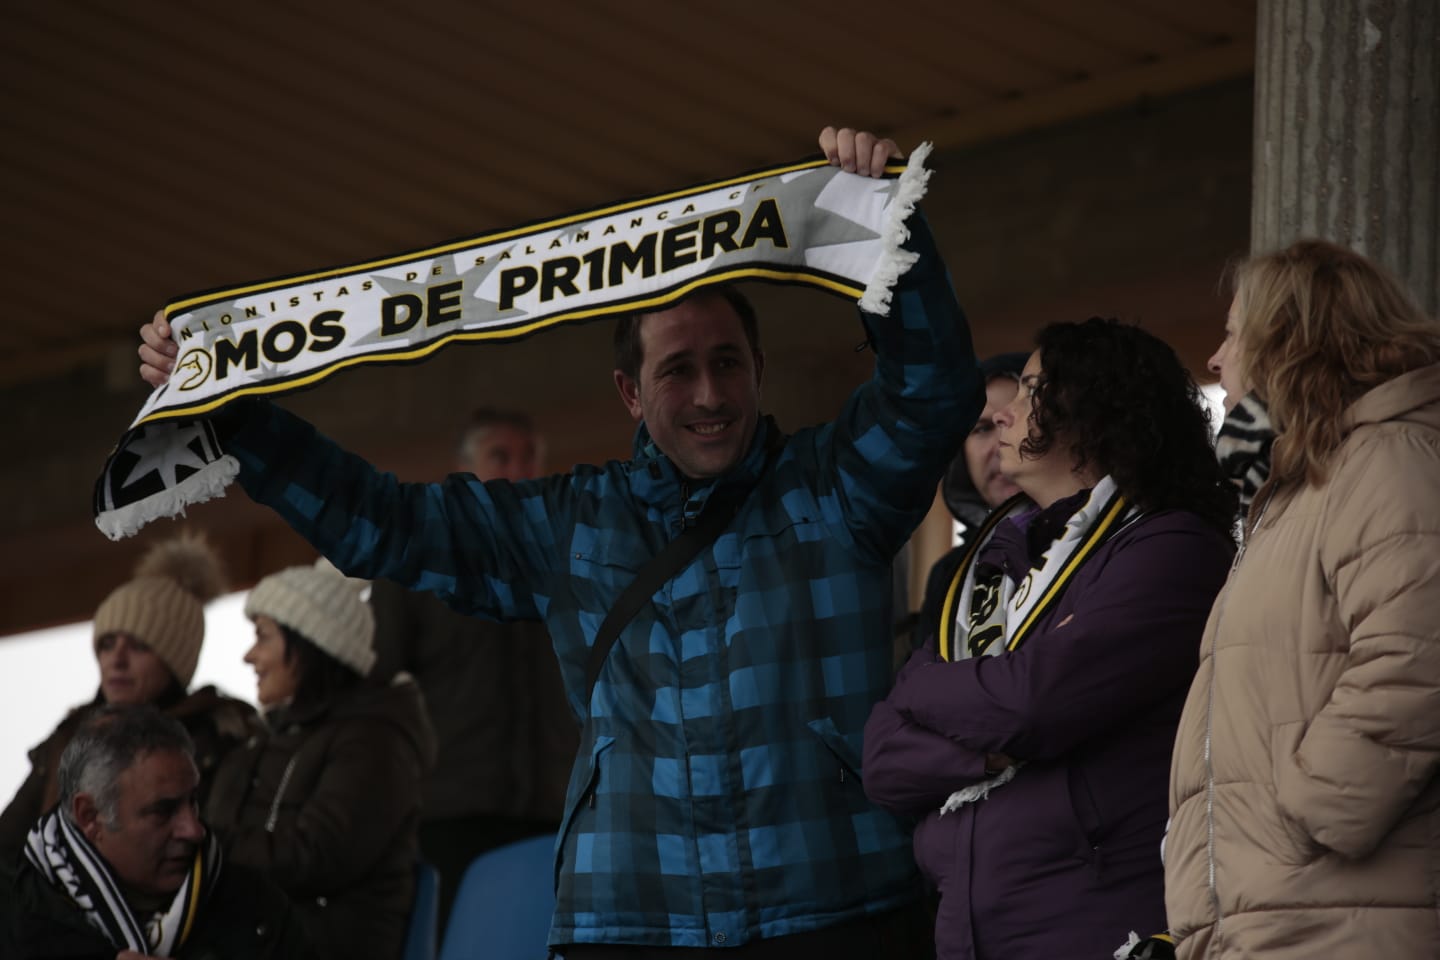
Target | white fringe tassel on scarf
(209,483)
(978,791)
(913,184)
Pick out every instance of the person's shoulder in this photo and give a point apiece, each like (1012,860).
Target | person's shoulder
(247,915)
(376,711)
(603,483)
(1383,483)
(1176,532)
(231,718)
(1395,455)
(245,888)
(368,728)
(65,729)
(76,715)
(1173,520)
(36,920)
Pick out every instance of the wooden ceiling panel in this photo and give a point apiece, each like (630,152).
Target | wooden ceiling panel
(1136,35)
(1064,52)
(1208,22)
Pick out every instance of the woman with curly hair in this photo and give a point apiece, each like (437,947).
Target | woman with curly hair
(1306,779)
(1033,736)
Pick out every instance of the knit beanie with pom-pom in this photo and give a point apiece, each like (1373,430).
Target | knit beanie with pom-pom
(163,606)
(322,605)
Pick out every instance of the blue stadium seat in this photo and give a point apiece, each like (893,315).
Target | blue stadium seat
(503,908)
(421,936)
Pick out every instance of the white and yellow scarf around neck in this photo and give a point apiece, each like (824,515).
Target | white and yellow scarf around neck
(987,614)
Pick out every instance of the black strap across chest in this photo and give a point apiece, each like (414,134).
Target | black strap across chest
(719,510)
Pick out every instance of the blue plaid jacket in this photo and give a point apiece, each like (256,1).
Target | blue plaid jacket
(716,795)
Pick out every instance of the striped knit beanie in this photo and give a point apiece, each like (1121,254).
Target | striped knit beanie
(322,605)
(164,605)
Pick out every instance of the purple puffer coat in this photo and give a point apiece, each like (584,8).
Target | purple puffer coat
(1064,860)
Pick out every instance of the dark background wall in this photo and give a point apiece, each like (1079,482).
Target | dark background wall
(1132,213)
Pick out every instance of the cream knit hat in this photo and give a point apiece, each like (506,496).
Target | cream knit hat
(164,605)
(323,606)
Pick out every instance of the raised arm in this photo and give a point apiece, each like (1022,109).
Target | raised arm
(483,547)
(882,457)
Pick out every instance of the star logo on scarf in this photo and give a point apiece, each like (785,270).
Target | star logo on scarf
(807,190)
(161,448)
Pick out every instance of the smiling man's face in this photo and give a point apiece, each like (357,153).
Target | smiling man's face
(698,388)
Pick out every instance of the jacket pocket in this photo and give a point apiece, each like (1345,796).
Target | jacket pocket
(846,755)
(583,797)
(1085,809)
(1293,846)
(602,563)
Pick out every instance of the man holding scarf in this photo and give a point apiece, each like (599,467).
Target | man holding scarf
(715,800)
(123,867)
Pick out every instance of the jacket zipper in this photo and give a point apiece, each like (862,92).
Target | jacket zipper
(1210,729)
(684,505)
(274,816)
(1210,764)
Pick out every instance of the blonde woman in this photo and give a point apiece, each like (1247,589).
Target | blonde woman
(1304,789)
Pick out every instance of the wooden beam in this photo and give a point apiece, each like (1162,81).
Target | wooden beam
(1086,97)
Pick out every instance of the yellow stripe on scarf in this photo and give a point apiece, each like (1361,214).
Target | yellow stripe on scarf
(1094,539)
(949,610)
(192,907)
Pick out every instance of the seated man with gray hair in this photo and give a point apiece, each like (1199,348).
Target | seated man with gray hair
(123,867)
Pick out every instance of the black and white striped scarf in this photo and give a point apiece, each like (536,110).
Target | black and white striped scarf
(65,858)
(1243,448)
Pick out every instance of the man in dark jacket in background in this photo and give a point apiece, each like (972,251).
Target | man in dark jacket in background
(124,868)
(505,738)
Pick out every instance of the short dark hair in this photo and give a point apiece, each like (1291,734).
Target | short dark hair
(1122,400)
(321,676)
(108,742)
(630,354)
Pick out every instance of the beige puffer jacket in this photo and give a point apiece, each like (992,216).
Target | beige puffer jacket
(1304,794)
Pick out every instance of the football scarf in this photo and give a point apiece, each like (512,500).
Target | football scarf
(806,223)
(71,865)
(987,614)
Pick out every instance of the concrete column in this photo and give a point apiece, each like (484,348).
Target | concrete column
(1347,106)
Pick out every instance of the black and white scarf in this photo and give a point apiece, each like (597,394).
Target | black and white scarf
(807,223)
(65,858)
(1243,448)
(995,615)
